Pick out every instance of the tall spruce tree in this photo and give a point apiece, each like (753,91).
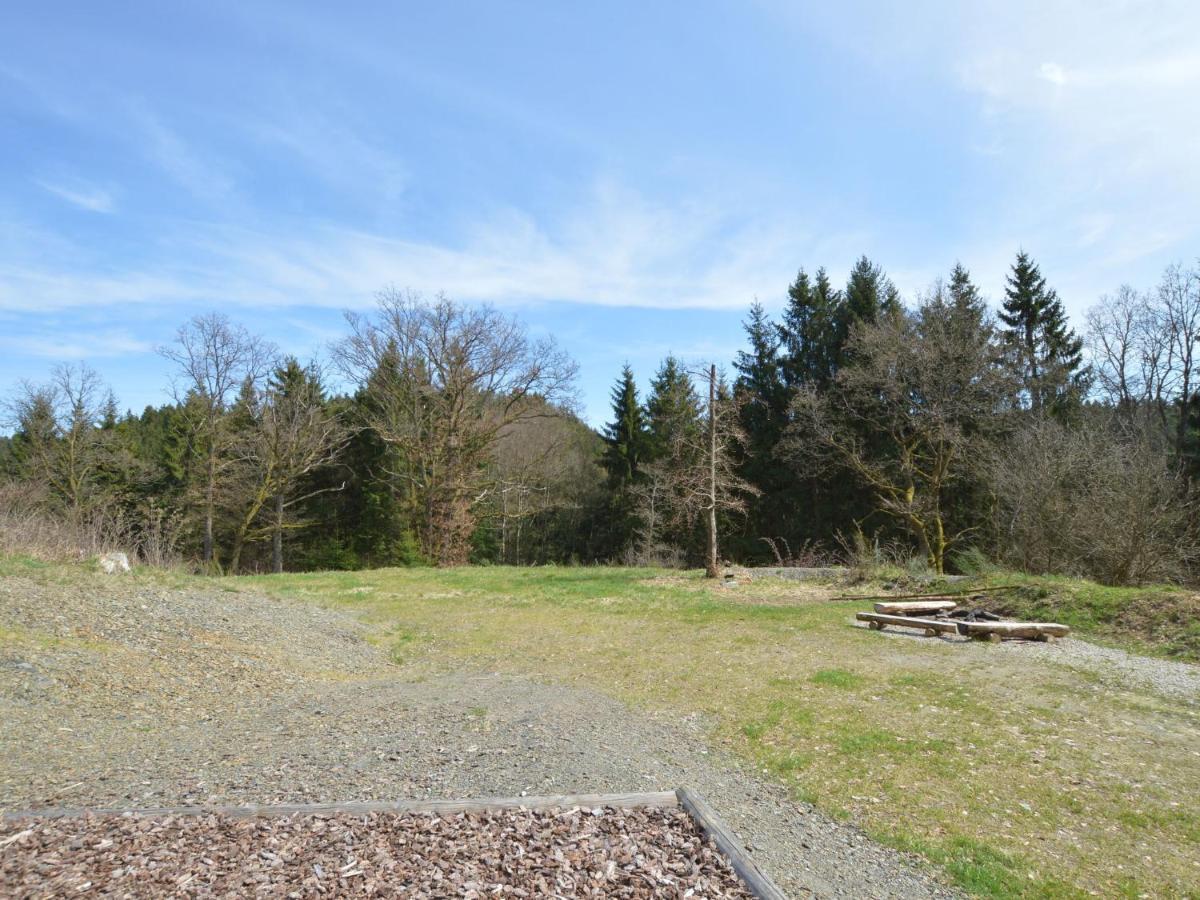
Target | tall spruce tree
(762,404)
(759,381)
(964,295)
(672,409)
(807,333)
(1046,350)
(869,295)
(625,436)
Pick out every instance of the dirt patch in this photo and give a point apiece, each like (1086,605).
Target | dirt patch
(563,853)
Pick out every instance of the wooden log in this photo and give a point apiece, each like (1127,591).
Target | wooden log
(1031,630)
(915,607)
(935,595)
(939,626)
(702,814)
(436,807)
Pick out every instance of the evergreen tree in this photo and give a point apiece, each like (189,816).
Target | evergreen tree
(869,293)
(963,293)
(625,436)
(672,408)
(808,331)
(1047,351)
(869,296)
(759,380)
(762,405)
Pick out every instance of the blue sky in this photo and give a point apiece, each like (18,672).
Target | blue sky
(626,176)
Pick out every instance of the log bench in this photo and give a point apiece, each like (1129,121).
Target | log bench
(914,607)
(931,627)
(996,631)
(984,631)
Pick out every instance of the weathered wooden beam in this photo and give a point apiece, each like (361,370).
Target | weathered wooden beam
(934,595)
(879,621)
(702,814)
(915,607)
(1032,630)
(436,807)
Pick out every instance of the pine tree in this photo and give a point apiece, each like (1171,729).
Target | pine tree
(625,436)
(963,293)
(762,406)
(807,332)
(1047,351)
(869,295)
(672,409)
(759,383)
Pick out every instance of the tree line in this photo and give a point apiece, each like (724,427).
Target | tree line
(854,424)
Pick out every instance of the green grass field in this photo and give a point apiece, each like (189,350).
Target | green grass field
(1019,777)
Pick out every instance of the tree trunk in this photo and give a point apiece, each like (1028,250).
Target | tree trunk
(239,538)
(209,503)
(277,537)
(712,567)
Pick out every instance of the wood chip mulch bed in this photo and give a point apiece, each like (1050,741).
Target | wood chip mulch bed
(503,853)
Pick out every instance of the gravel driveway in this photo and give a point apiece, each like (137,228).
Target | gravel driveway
(119,692)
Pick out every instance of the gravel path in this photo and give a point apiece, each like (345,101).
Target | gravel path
(119,693)
(1113,667)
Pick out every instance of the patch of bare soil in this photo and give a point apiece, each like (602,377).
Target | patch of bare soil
(512,853)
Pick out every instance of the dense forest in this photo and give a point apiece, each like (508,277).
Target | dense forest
(930,431)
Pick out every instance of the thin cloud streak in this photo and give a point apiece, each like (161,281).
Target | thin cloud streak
(615,250)
(92,199)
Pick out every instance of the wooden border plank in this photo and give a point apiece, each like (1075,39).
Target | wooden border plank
(702,814)
(437,807)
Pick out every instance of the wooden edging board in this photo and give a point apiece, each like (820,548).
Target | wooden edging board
(437,807)
(700,812)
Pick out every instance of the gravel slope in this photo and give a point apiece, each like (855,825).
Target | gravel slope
(119,692)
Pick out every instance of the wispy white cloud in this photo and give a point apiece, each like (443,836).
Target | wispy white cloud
(91,198)
(614,248)
(203,177)
(1082,111)
(74,345)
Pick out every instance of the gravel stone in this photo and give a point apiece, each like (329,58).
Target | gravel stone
(1114,667)
(161,696)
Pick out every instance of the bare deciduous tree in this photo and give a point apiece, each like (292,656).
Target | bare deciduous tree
(1092,500)
(290,433)
(1179,321)
(1146,350)
(215,359)
(446,380)
(58,423)
(697,479)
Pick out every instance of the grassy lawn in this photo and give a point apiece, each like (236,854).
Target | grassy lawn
(1018,778)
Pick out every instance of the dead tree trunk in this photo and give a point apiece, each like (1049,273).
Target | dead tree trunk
(277,537)
(712,567)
